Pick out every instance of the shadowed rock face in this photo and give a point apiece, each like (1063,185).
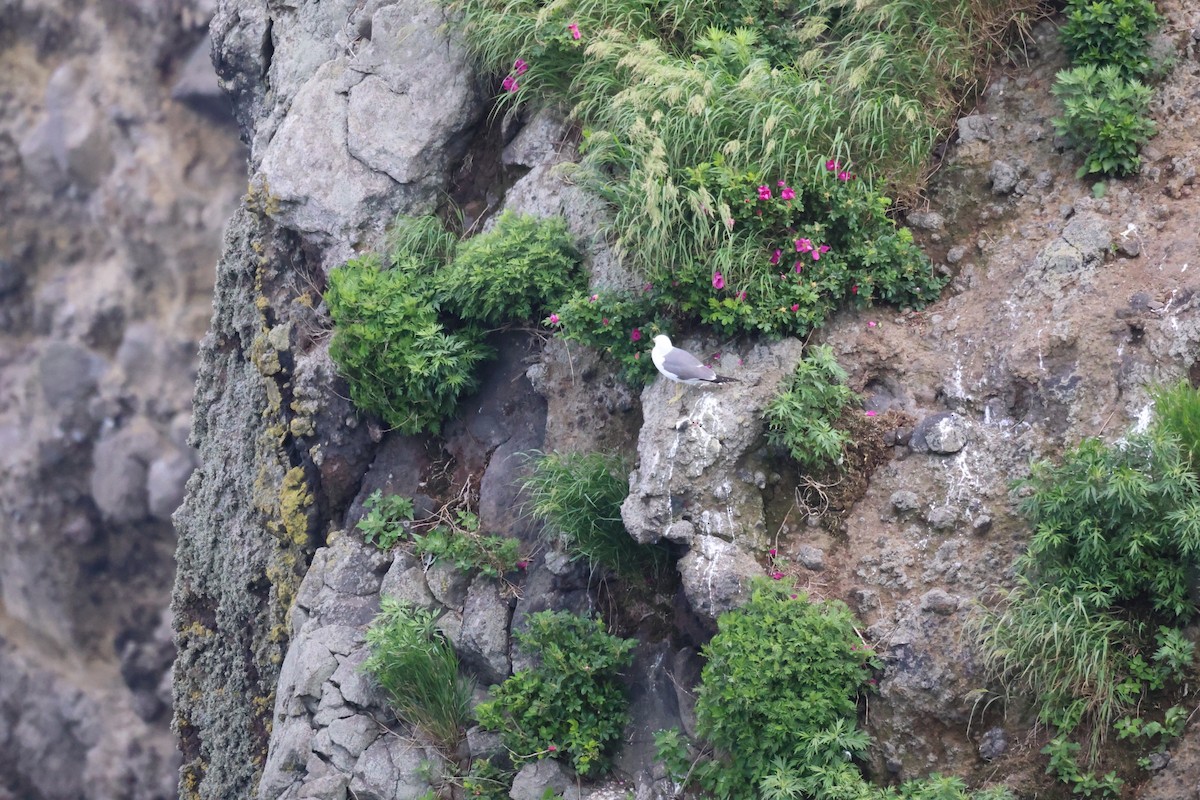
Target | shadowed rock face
(114,198)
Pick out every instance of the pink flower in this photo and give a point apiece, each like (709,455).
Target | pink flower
(718,281)
(593,298)
(833,164)
(729,223)
(509,84)
(793,596)
(775,256)
(522,564)
(843,176)
(854,289)
(552,748)
(520,66)
(803,245)
(647,287)
(772,552)
(764,192)
(776,576)
(574,29)
(871,324)
(604,321)
(787,193)
(816,254)
(741,295)
(781,183)
(635,334)
(554,319)
(795,306)
(872,413)
(799,267)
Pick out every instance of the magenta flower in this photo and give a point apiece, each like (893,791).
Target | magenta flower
(843,176)
(776,576)
(741,295)
(772,552)
(509,84)
(522,564)
(833,164)
(718,280)
(787,193)
(729,223)
(604,321)
(647,287)
(520,66)
(764,192)
(799,267)
(816,253)
(574,29)
(781,183)
(854,289)
(871,324)
(775,256)
(635,334)
(804,245)
(872,413)
(795,306)
(593,298)
(554,319)
(551,748)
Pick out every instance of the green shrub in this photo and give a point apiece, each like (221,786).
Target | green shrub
(388,343)
(1110,32)
(619,324)
(464,546)
(801,417)
(1177,411)
(780,687)
(578,496)
(1105,116)
(570,704)
(516,271)
(384,524)
(418,669)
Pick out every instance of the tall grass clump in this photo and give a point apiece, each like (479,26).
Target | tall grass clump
(418,670)
(1107,577)
(578,496)
(801,417)
(1177,409)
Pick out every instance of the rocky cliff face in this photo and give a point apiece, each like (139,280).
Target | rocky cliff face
(355,111)
(120,164)
(1062,308)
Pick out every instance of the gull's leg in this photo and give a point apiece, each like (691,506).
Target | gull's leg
(678,394)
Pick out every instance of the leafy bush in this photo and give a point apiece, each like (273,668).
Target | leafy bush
(399,360)
(780,688)
(1177,411)
(384,523)
(579,496)
(1106,116)
(515,271)
(1110,32)
(418,669)
(570,705)
(464,546)
(801,417)
(619,324)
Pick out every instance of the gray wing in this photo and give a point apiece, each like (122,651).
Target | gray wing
(686,366)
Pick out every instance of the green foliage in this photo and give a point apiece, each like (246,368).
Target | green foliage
(1064,766)
(515,271)
(487,781)
(1177,411)
(384,523)
(400,361)
(1119,525)
(1106,116)
(420,245)
(464,546)
(801,417)
(779,688)
(578,496)
(620,324)
(1104,32)
(418,669)
(570,705)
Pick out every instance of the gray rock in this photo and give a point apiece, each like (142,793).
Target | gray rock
(483,643)
(541,140)
(345,739)
(905,501)
(536,777)
(1129,246)
(1003,177)
(1159,761)
(73,142)
(955,254)
(12,276)
(942,518)
(993,744)
(448,584)
(944,433)
(811,557)
(716,575)
(291,746)
(981,525)
(392,768)
(354,685)
(119,471)
(974,128)
(939,601)
(166,480)
(68,374)
(484,744)
(926,220)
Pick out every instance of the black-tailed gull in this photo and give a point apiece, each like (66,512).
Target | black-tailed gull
(681,366)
